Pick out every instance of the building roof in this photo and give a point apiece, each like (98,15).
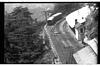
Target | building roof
(79,14)
(53,16)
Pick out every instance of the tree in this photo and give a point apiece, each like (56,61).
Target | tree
(66,8)
(92,24)
(22,41)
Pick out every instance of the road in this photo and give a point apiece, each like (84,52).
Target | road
(63,42)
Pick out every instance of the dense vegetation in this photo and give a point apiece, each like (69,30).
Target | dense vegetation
(22,42)
(92,25)
(66,8)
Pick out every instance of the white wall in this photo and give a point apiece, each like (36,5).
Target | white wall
(76,34)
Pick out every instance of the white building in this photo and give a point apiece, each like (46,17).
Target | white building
(92,43)
(80,15)
(85,56)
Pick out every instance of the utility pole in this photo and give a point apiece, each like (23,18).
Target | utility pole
(46,13)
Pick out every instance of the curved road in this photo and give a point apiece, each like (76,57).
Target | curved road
(63,41)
